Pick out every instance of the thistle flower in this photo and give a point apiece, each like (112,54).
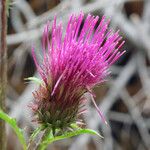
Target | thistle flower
(72,65)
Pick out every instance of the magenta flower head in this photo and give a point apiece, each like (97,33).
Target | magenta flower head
(73,62)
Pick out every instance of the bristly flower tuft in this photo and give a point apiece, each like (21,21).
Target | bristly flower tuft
(72,65)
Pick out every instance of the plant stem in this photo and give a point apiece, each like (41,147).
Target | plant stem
(33,136)
(19,132)
(45,135)
(3,69)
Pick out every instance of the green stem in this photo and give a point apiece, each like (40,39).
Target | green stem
(34,135)
(13,124)
(46,135)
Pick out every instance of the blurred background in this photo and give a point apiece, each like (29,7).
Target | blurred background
(124,98)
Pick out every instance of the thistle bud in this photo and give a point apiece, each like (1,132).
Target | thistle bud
(72,65)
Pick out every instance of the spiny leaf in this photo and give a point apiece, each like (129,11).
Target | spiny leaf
(66,135)
(13,124)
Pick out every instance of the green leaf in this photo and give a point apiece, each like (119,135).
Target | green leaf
(49,139)
(35,80)
(13,124)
